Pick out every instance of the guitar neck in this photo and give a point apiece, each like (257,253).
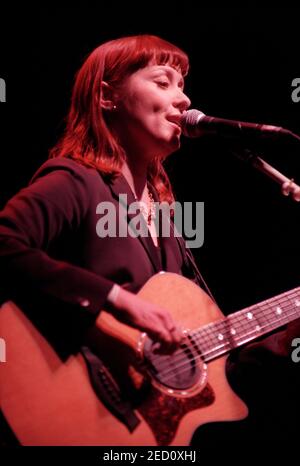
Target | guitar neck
(237,329)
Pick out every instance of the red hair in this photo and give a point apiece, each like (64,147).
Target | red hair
(87,137)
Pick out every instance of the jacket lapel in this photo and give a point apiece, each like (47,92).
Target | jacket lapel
(169,244)
(120,186)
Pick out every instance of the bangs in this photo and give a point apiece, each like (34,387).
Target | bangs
(175,59)
(132,53)
(152,49)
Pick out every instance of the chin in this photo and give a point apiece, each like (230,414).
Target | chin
(166,145)
(169,148)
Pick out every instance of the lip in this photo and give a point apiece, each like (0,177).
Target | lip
(175,125)
(175,120)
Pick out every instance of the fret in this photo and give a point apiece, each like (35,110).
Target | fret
(272,313)
(213,339)
(241,327)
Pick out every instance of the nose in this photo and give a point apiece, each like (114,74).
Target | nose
(182,102)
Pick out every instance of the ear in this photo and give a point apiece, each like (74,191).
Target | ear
(107,96)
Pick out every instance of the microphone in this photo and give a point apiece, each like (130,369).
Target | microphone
(195,124)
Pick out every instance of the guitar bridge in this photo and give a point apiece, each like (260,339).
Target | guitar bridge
(108,391)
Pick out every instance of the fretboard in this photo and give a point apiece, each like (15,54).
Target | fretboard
(239,328)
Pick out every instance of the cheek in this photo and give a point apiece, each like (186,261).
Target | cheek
(146,111)
(137,107)
(144,106)
(147,100)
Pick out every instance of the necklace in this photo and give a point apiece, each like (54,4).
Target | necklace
(147,212)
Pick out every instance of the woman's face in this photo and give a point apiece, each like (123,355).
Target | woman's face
(149,109)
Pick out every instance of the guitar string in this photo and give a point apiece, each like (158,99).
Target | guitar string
(213,354)
(238,321)
(209,332)
(181,361)
(208,353)
(239,341)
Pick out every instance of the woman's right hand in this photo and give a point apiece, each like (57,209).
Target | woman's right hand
(156,321)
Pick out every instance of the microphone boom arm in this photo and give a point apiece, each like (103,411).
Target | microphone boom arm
(288,186)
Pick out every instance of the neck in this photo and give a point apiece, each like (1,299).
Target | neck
(136,176)
(220,337)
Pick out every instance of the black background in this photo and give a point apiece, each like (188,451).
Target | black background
(243,62)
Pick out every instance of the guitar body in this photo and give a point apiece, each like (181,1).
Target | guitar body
(50,402)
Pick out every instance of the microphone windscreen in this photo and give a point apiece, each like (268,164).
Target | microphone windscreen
(190,119)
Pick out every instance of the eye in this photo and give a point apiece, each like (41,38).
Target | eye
(163,83)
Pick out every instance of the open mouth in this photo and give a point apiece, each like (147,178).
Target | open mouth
(175,125)
(175,120)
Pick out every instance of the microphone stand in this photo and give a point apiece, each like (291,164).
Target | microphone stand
(288,186)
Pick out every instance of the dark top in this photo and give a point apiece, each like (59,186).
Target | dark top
(54,264)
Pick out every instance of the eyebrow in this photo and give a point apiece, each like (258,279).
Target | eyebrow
(169,72)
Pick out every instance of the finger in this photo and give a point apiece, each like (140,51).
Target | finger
(167,319)
(172,327)
(164,348)
(160,334)
(177,334)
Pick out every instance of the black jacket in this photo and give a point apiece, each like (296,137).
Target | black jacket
(54,264)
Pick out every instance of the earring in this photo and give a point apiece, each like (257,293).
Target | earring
(114,107)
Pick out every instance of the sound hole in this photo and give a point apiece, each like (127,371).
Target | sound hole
(178,371)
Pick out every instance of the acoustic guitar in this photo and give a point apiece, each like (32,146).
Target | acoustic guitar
(50,402)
